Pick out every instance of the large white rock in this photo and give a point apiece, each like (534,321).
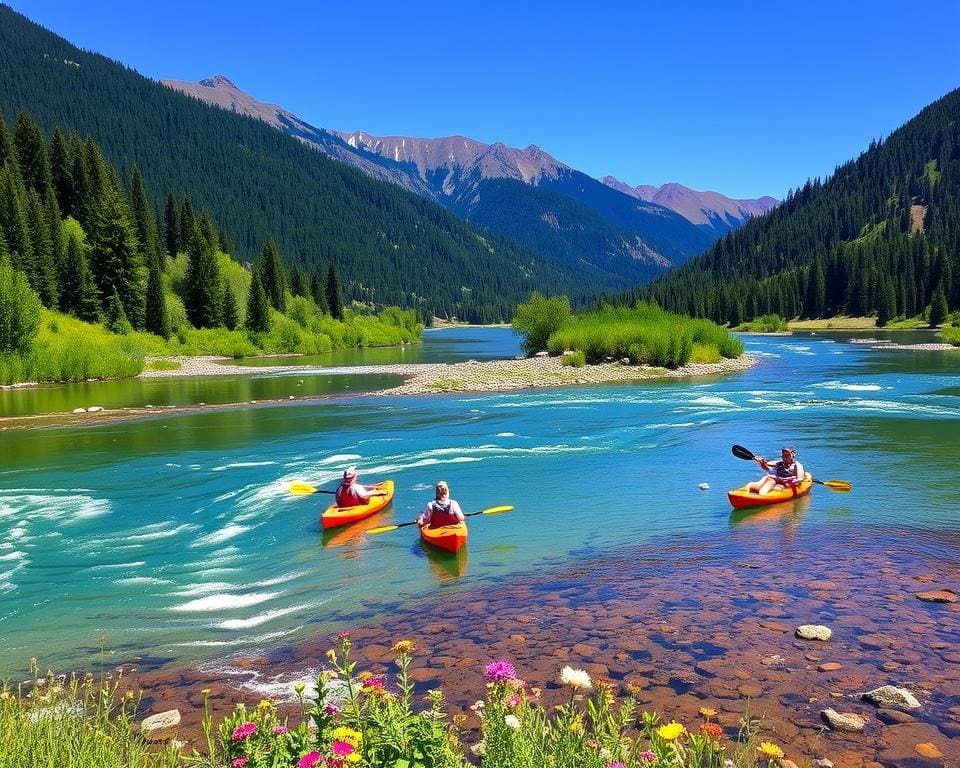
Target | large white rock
(161,726)
(844,721)
(891,696)
(814,632)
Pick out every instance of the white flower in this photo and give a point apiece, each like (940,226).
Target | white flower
(511,721)
(479,749)
(577,679)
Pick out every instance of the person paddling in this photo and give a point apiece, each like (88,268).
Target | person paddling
(350,493)
(442,510)
(785,473)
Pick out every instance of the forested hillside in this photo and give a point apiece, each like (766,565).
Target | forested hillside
(390,246)
(880,237)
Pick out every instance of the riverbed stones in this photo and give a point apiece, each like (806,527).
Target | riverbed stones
(162,726)
(814,632)
(891,696)
(848,722)
(938,596)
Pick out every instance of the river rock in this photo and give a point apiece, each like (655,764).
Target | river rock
(891,696)
(94,408)
(894,717)
(162,726)
(822,762)
(938,596)
(814,632)
(849,722)
(928,749)
(79,410)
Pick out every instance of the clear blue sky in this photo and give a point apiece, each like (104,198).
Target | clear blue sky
(745,98)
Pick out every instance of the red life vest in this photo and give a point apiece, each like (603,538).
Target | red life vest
(346,495)
(440,515)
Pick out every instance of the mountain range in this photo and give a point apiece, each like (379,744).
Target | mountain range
(520,193)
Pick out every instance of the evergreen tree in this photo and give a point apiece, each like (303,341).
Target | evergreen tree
(298,283)
(32,154)
(114,258)
(143,219)
(815,296)
(203,300)
(14,219)
(79,295)
(318,290)
(171,226)
(334,296)
(225,245)
(887,307)
(231,311)
(116,318)
(43,276)
(937,311)
(258,306)
(272,273)
(185,224)
(157,319)
(8,152)
(61,171)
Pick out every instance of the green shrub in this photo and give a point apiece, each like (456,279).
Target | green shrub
(537,319)
(951,336)
(576,359)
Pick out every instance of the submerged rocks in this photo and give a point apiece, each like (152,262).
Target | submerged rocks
(814,632)
(938,596)
(849,722)
(891,696)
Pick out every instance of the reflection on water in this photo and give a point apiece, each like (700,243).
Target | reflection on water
(786,515)
(445,566)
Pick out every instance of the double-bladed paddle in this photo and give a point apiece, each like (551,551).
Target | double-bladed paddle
(834,485)
(298,488)
(489,511)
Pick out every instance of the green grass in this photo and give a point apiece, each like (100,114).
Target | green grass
(647,335)
(951,335)
(163,365)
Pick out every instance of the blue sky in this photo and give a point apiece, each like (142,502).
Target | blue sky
(743,98)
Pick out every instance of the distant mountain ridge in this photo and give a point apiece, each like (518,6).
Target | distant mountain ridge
(711,211)
(644,236)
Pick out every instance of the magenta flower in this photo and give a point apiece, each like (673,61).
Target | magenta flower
(500,671)
(647,756)
(242,731)
(342,749)
(616,765)
(374,683)
(239,762)
(279,730)
(309,760)
(332,709)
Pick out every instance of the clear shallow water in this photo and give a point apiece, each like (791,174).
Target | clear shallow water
(177,536)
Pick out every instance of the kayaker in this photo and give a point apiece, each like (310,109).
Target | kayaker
(442,510)
(350,493)
(785,473)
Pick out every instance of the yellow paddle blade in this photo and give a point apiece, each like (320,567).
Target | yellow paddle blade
(838,485)
(495,510)
(301,489)
(383,529)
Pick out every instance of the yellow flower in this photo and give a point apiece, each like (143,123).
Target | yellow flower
(299,687)
(707,712)
(576,727)
(404,646)
(205,692)
(350,736)
(353,757)
(770,750)
(671,731)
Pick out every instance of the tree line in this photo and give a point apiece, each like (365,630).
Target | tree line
(880,237)
(94,247)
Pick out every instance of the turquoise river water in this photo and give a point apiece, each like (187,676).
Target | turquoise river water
(176,536)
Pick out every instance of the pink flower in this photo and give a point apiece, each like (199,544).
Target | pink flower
(500,671)
(374,683)
(513,701)
(332,709)
(239,762)
(615,765)
(309,760)
(341,749)
(647,756)
(242,731)
(279,730)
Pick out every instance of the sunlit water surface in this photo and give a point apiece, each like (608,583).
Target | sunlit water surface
(177,537)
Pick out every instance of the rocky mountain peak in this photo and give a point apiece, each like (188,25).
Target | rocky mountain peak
(218,80)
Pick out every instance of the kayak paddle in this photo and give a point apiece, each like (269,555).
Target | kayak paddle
(305,489)
(834,485)
(489,511)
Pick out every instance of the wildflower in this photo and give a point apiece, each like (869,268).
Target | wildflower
(707,712)
(647,756)
(279,730)
(479,749)
(576,727)
(341,749)
(205,692)
(239,762)
(577,679)
(712,730)
(500,671)
(332,655)
(513,701)
(670,732)
(605,753)
(615,765)
(350,736)
(511,721)
(332,709)
(242,731)
(299,688)
(769,750)
(374,684)
(478,706)
(309,760)
(634,687)
(404,646)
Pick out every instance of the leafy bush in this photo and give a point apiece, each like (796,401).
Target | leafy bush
(765,324)
(951,336)
(575,359)
(19,311)
(537,319)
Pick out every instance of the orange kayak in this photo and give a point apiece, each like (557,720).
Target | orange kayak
(446,537)
(334,515)
(741,498)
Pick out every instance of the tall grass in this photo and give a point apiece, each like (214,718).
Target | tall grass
(951,336)
(645,334)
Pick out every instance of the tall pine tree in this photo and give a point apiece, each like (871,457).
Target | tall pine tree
(203,300)
(273,276)
(334,296)
(258,306)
